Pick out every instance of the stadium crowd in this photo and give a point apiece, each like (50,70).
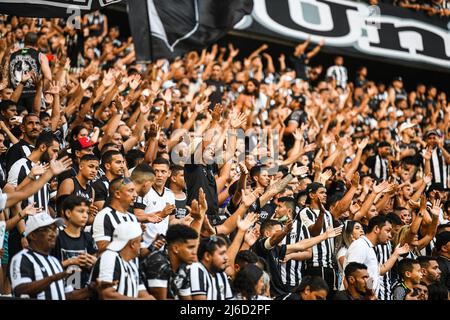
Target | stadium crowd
(439,8)
(213,177)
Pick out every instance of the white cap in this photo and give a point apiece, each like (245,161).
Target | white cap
(123,233)
(406,125)
(39,220)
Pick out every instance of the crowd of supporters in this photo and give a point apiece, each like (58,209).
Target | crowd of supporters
(214,177)
(440,8)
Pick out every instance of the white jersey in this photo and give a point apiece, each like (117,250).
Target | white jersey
(362,251)
(155,202)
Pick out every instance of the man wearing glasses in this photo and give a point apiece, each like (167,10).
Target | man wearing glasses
(34,272)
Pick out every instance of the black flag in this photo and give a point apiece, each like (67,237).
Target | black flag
(51,8)
(168,28)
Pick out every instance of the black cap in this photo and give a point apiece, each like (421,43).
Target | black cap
(313,187)
(398,78)
(442,239)
(383,144)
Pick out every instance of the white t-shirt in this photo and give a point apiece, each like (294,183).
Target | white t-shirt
(155,202)
(3,198)
(362,251)
(341,253)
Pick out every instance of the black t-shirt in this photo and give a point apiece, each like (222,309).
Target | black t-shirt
(342,295)
(23,61)
(300,66)
(75,46)
(266,212)
(101,188)
(298,116)
(180,211)
(199,176)
(72,172)
(273,258)
(67,247)
(216,96)
(157,272)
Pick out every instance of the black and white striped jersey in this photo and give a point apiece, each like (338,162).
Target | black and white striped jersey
(29,266)
(111,267)
(106,221)
(16,152)
(18,172)
(439,168)
(322,252)
(339,73)
(291,271)
(383,253)
(378,166)
(213,286)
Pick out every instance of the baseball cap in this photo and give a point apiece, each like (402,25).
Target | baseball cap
(406,125)
(40,220)
(398,78)
(431,132)
(313,187)
(442,239)
(83,143)
(383,144)
(123,233)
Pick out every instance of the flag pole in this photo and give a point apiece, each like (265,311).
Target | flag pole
(150,28)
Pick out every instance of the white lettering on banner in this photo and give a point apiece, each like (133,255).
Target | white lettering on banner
(387,36)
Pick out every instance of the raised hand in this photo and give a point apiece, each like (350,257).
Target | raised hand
(30,210)
(243,168)
(333,232)
(239,121)
(248,197)
(355,180)
(54,87)
(135,81)
(426,154)
(378,188)
(401,250)
(299,171)
(310,147)
(217,112)
(288,226)
(154,130)
(325,176)
(203,205)
(247,222)
(39,169)
(145,108)
(436,208)
(363,143)
(168,209)
(427,178)
(251,237)
(153,218)
(26,76)
(59,166)
(194,210)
